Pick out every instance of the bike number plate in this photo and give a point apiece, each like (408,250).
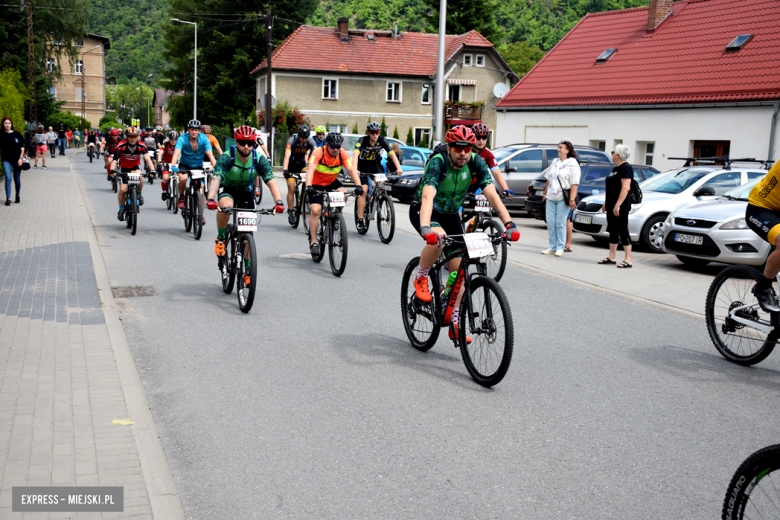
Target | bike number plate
(246,221)
(380,177)
(336,199)
(197,174)
(481,203)
(133,178)
(478,245)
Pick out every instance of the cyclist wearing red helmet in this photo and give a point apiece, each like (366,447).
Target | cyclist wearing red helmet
(108,148)
(128,155)
(434,212)
(481,133)
(235,176)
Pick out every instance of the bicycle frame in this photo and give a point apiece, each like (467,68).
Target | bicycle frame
(758,325)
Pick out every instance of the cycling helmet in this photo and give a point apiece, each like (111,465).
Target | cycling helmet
(114,132)
(245,133)
(149,128)
(461,135)
(158,128)
(206,128)
(194,123)
(174,135)
(320,130)
(131,131)
(480,130)
(334,138)
(373,126)
(303,131)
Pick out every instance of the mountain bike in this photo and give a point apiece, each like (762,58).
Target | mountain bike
(193,202)
(301,207)
(332,230)
(484,309)
(741,330)
(240,260)
(172,192)
(131,201)
(378,200)
(753,490)
(258,193)
(90,152)
(481,218)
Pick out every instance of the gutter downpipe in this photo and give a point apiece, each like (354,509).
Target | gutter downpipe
(438,109)
(772,132)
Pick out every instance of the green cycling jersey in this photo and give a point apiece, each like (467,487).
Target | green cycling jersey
(452,184)
(234,174)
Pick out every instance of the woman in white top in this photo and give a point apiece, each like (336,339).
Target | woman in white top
(563,177)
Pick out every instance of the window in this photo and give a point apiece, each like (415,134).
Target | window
(80,42)
(649,152)
(711,148)
(421,134)
(480,60)
(453,92)
(739,42)
(79,93)
(604,56)
(426,94)
(412,158)
(393,92)
(53,91)
(528,161)
(601,145)
(724,182)
(595,176)
(337,128)
(57,42)
(756,174)
(467,60)
(49,64)
(79,67)
(330,89)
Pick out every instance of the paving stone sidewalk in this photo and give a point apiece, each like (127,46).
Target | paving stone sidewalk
(61,375)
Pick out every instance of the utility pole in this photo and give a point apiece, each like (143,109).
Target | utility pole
(438,109)
(269,23)
(33,117)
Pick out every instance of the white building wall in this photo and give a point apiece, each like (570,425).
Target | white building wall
(672,130)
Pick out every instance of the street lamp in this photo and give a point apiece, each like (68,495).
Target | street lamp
(195,100)
(147,104)
(84,83)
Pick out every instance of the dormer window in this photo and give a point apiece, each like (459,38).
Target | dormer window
(739,42)
(604,56)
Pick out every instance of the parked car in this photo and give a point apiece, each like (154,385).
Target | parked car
(404,186)
(663,194)
(715,231)
(591,183)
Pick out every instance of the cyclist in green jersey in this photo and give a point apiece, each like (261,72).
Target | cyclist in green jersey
(434,212)
(234,178)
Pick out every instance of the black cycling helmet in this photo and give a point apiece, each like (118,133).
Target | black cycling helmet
(303,131)
(149,128)
(334,138)
(173,135)
(373,126)
(194,123)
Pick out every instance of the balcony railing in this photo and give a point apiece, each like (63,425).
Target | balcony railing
(466,112)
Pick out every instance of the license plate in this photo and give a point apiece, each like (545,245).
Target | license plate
(246,221)
(688,239)
(380,177)
(133,178)
(478,244)
(481,203)
(197,174)
(539,193)
(336,199)
(583,219)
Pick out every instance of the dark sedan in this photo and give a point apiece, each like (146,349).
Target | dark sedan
(404,187)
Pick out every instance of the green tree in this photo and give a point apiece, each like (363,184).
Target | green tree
(409,138)
(355,128)
(395,132)
(466,15)
(423,142)
(383,128)
(13,95)
(521,56)
(69,119)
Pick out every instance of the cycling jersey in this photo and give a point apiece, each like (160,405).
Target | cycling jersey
(451,184)
(489,158)
(370,158)
(317,142)
(160,138)
(111,145)
(328,167)
(168,152)
(213,141)
(92,137)
(190,158)
(235,175)
(766,194)
(298,150)
(150,142)
(127,157)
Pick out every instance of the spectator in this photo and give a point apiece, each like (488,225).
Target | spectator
(69,137)
(62,137)
(77,138)
(51,138)
(617,204)
(40,147)
(12,152)
(563,177)
(399,154)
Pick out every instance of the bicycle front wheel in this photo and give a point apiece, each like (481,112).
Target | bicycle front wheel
(296,208)
(738,342)
(385,219)
(258,195)
(489,354)
(186,213)
(306,214)
(420,322)
(133,211)
(113,183)
(495,263)
(753,490)
(175,196)
(228,265)
(338,245)
(246,268)
(197,217)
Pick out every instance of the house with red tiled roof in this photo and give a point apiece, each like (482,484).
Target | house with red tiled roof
(692,78)
(344,77)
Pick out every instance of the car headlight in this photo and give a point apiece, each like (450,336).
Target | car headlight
(635,208)
(737,223)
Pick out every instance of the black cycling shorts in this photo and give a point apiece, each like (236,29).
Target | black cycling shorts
(333,186)
(294,168)
(449,222)
(764,222)
(242,198)
(364,178)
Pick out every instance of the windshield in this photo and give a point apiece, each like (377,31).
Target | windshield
(675,181)
(742,192)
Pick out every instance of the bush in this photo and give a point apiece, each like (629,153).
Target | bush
(395,132)
(69,119)
(291,116)
(107,121)
(13,94)
(383,128)
(423,142)
(355,128)
(409,138)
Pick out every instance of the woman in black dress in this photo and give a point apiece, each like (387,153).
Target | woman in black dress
(617,205)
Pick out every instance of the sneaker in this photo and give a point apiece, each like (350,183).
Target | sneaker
(204,221)
(558,252)
(181,202)
(108,178)
(44,167)
(164,195)
(18,200)
(121,215)
(219,249)
(454,331)
(140,200)
(550,251)
(421,289)
(291,217)
(315,249)
(766,298)
(35,165)
(361,224)
(247,280)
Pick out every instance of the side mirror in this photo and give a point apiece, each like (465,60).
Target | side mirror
(510,169)
(704,191)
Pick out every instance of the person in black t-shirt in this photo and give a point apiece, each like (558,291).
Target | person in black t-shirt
(617,205)
(368,159)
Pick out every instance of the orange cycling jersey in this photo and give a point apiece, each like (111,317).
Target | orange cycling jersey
(328,167)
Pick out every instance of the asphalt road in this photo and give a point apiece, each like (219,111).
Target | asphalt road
(315,405)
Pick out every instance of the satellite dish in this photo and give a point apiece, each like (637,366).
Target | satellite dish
(500,90)
(262,101)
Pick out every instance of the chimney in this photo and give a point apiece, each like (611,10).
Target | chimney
(343,27)
(659,10)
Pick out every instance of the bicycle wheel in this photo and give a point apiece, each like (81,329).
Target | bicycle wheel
(133,211)
(169,199)
(197,218)
(495,263)
(246,270)
(753,490)
(187,212)
(113,183)
(258,195)
(338,245)
(175,196)
(385,219)
(296,209)
(489,354)
(737,342)
(306,214)
(420,322)
(228,268)
(90,156)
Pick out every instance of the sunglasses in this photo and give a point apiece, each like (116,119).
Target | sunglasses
(374,132)
(334,146)
(320,133)
(482,138)
(131,136)
(462,149)
(242,142)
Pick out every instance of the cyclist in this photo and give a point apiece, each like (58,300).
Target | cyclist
(160,135)
(325,165)
(108,148)
(234,177)
(481,133)
(213,140)
(763,217)
(150,141)
(191,148)
(165,157)
(91,139)
(299,149)
(434,212)
(368,157)
(319,137)
(129,154)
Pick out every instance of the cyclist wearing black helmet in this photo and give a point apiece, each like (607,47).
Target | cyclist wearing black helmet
(191,148)
(299,148)
(368,158)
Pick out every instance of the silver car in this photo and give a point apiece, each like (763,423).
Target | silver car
(662,195)
(715,231)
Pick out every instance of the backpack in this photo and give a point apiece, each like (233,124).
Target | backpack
(441,149)
(254,164)
(635,192)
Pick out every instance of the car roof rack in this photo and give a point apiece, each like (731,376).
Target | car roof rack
(726,161)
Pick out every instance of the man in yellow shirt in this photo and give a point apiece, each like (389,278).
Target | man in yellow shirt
(763,216)
(213,140)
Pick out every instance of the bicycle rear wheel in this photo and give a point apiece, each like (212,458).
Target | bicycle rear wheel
(385,218)
(495,263)
(175,197)
(258,195)
(420,322)
(186,213)
(489,354)
(169,199)
(753,490)
(338,245)
(737,342)
(197,218)
(133,211)
(296,209)
(247,273)
(113,183)
(228,269)
(306,213)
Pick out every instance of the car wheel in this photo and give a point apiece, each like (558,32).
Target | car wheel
(692,262)
(652,233)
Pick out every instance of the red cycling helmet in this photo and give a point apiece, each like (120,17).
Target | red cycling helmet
(131,131)
(480,130)
(461,135)
(244,132)
(114,132)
